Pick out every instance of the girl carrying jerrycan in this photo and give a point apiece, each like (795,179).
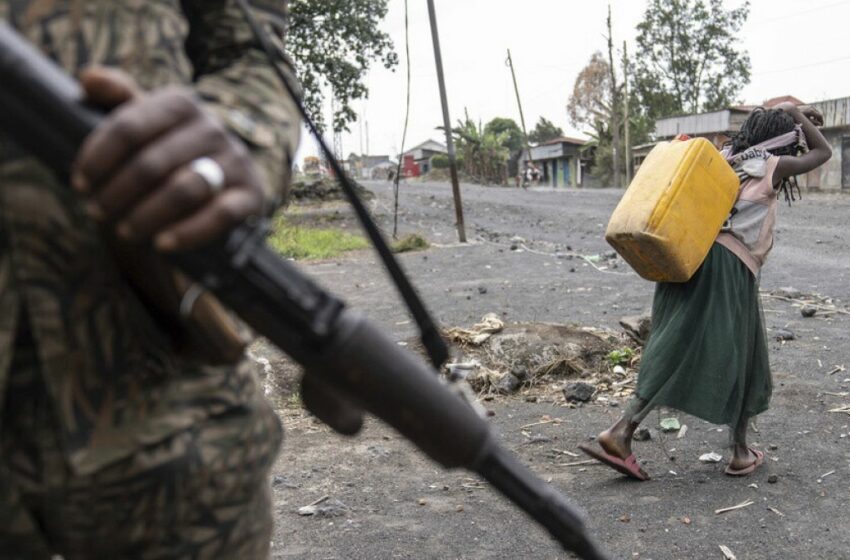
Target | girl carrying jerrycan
(707,354)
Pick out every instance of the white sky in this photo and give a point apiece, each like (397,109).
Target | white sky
(796,48)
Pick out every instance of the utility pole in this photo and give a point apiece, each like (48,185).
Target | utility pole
(510,62)
(626,116)
(447,123)
(615,108)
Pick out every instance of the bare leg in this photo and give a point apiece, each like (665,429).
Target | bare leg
(617,440)
(742,457)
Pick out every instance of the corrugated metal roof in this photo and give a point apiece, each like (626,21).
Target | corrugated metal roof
(704,123)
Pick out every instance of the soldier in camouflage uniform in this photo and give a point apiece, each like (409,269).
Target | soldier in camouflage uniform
(116,440)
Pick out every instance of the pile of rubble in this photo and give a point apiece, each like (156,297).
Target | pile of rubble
(323,189)
(582,362)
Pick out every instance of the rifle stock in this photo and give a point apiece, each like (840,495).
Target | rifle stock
(42,112)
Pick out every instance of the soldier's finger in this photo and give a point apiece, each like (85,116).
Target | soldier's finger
(107,87)
(184,192)
(125,131)
(149,169)
(227,210)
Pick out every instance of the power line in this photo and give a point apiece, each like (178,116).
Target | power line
(799,13)
(802,67)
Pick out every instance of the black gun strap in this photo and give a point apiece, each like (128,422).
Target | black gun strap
(431,339)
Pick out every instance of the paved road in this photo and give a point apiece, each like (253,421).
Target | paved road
(402,506)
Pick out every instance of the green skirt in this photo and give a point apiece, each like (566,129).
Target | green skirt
(707,354)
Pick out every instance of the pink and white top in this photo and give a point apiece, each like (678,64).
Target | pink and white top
(748,232)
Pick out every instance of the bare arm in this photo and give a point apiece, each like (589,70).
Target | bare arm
(819,150)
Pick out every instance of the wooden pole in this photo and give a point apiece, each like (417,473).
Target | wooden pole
(519,104)
(447,123)
(628,146)
(615,108)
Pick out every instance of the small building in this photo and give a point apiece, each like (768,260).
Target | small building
(834,175)
(418,160)
(720,126)
(369,167)
(559,161)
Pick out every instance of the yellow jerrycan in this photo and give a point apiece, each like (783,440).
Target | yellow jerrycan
(673,210)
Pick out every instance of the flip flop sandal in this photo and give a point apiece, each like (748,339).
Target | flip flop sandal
(628,467)
(749,468)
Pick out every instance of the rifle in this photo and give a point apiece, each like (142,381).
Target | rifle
(338,348)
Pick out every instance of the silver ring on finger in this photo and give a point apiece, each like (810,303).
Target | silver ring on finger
(211,172)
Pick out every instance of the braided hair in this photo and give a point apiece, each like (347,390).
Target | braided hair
(761,125)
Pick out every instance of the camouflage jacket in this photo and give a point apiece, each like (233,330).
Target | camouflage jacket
(114,377)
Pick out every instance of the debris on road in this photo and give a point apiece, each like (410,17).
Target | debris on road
(772,479)
(844,409)
(808,311)
(642,434)
(579,391)
(776,511)
(682,431)
(711,457)
(727,554)
(742,505)
(784,335)
(670,425)
(508,384)
(479,333)
(580,463)
(546,419)
(637,327)
(324,507)
(824,475)
(835,369)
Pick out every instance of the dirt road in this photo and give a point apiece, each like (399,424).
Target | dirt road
(393,503)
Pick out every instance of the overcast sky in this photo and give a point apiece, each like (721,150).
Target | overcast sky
(796,48)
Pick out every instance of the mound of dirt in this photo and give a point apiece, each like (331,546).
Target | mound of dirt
(504,358)
(323,189)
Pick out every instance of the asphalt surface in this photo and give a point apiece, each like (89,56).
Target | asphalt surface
(398,504)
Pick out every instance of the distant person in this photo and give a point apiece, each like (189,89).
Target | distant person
(707,354)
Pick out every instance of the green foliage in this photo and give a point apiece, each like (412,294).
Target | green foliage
(621,357)
(544,131)
(483,154)
(312,243)
(412,242)
(333,44)
(514,141)
(688,59)
(440,161)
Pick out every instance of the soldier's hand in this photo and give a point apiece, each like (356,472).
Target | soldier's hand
(160,168)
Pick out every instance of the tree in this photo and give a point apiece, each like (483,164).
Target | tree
(333,44)
(544,131)
(514,140)
(483,153)
(591,107)
(687,56)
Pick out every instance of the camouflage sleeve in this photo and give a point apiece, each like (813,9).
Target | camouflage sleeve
(235,78)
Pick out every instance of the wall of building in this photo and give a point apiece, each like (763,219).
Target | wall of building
(828,177)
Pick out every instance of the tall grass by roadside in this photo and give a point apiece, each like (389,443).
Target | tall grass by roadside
(301,242)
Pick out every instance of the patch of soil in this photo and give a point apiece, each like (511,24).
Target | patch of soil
(323,189)
(504,359)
